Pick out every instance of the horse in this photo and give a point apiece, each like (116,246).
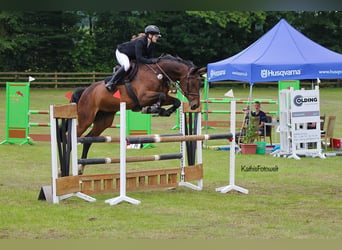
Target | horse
(149,86)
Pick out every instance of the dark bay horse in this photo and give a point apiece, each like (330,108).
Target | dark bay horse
(150,85)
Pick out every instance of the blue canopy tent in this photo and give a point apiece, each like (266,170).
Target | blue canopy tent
(283,53)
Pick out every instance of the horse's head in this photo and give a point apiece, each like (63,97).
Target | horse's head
(188,76)
(191,84)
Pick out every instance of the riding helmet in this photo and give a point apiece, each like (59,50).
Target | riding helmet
(152,29)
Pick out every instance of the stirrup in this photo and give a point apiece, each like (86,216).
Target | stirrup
(109,86)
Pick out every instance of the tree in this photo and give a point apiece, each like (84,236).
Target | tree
(86,40)
(323,27)
(110,29)
(43,41)
(11,42)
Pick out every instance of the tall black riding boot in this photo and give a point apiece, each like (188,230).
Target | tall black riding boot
(115,78)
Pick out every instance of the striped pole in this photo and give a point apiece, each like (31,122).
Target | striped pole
(236,112)
(131,159)
(179,138)
(37,124)
(239,101)
(38,112)
(155,138)
(117,138)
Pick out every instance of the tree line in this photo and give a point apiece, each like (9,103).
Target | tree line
(84,41)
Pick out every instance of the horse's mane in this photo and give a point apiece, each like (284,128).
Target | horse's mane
(176,59)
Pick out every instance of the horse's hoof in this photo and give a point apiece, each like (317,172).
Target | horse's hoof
(164,112)
(80,169)
(144,110)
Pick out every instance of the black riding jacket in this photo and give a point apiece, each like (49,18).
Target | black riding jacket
(137,50)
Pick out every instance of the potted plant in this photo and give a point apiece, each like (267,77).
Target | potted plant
(251,133)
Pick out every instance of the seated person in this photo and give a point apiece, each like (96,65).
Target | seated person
(257,113)
(262,117)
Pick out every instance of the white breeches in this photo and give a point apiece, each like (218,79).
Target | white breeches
(123,59)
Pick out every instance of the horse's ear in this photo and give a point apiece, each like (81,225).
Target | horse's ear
(202,70)
(199,70)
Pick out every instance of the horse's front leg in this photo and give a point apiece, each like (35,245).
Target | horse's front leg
(175,105)
(152,102)
(157,100)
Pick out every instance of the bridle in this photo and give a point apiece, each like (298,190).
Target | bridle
(176,84)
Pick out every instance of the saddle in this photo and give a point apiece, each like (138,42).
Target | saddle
(130,74)
(128,77)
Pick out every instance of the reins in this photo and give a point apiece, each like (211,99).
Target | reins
(175,83)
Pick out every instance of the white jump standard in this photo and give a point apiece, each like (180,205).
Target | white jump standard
(123,196)
(232,186)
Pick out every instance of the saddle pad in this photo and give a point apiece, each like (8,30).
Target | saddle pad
(117,94)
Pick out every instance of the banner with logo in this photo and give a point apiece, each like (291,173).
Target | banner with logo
(305,106)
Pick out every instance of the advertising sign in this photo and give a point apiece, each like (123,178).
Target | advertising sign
(305,106)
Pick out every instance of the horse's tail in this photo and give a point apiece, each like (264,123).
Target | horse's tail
(76,95)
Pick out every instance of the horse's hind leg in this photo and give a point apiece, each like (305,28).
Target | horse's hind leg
(102,121)
(85,117)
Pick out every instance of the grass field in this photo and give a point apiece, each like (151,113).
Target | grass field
(302,200)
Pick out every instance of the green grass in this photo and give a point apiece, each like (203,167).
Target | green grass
(302,200)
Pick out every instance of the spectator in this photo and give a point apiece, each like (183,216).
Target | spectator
(262,117)
(257,113)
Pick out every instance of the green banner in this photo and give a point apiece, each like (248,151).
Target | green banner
(138,124)
(17,108)
(286,84)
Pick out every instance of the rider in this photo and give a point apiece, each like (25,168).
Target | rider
(140,49)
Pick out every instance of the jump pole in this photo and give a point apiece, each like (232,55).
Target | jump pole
(232,186)
(123,197)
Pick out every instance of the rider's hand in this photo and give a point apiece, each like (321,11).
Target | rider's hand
(154,60)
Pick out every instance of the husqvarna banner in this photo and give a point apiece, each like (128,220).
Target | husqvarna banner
(283,53)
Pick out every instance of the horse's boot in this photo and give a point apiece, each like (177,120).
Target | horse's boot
(115,78)
(151,109)
(155,108)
